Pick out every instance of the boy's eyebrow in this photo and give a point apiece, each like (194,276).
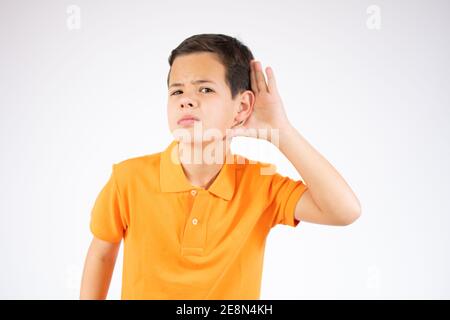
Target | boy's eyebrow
(193,82)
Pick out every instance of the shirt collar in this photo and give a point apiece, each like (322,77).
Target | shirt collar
(173,179)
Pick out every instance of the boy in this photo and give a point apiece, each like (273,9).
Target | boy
(194,218)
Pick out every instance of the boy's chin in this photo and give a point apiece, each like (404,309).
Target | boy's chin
(192,135)
(192,140)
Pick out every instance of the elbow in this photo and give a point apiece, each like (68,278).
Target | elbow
(352,218)
(350,215)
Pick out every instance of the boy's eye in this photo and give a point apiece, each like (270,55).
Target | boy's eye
(173,93)
(208,89)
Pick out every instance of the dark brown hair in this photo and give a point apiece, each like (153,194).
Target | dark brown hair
(233,54)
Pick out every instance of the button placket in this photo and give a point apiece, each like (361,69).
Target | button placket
(194,236)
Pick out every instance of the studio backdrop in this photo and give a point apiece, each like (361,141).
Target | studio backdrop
(83,86)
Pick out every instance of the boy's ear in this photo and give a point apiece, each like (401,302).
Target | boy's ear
(247,102)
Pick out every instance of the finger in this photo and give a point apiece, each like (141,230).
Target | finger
(260,80)
(252,77)
(272,84)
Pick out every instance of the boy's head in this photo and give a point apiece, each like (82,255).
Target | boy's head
(221,104)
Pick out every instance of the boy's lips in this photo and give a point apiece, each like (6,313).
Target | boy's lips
(188,119)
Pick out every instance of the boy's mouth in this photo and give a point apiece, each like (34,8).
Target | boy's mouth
(187,120)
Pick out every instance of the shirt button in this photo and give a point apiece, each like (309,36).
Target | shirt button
(194,221)
(193,192)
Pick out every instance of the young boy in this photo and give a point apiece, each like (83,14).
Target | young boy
(194,218)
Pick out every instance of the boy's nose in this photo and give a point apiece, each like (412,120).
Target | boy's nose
(187,105)
(187,102)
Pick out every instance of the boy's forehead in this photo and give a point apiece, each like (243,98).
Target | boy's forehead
(194,67)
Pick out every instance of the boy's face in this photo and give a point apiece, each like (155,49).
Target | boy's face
(210,102)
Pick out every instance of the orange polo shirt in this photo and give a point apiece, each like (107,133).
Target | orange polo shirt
(186,242)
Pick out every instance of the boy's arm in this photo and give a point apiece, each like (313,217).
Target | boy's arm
(98,269)
(329,199)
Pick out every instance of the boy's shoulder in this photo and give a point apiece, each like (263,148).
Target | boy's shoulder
(138,164)
(254,167)
(137,160)
(246,162)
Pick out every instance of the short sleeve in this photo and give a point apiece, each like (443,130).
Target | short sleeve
(284,193)
(107,215)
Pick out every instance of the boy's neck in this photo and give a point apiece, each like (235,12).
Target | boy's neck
(200,172)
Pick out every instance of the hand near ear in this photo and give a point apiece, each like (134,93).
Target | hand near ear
(268,111)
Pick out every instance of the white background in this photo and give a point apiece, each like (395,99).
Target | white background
(374,102)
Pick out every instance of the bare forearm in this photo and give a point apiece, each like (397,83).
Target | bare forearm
(96,277)
(329,190)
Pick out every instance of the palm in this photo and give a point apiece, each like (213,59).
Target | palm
(268,111)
